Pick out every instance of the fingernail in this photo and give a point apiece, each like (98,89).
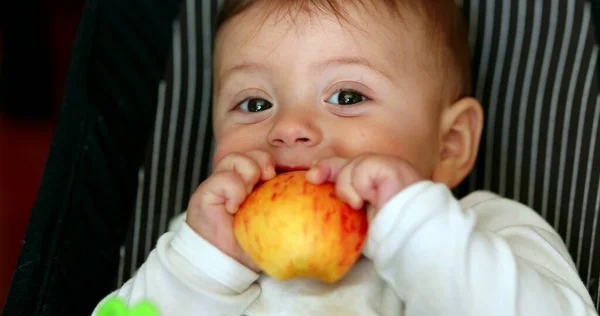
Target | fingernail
(357,202)
(270,172)
(310,174)
(314,166)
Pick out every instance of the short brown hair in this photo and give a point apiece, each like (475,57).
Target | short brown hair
(444,26)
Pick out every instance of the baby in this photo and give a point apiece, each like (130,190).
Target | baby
(373,97)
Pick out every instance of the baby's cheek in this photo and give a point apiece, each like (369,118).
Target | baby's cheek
(219,153)
(228,145)
(419,152)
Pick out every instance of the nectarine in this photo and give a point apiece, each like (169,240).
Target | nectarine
(292,228)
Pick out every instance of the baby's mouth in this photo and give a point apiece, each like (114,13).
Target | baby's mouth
(279,169)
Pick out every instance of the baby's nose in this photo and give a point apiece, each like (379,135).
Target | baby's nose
(294,130)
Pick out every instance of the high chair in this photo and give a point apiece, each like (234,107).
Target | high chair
(134,137)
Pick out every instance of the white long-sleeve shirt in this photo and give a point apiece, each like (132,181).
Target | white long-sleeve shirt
(426,254)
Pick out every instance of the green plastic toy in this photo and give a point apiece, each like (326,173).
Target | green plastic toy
(114,306)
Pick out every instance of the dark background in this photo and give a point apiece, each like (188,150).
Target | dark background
(35,43)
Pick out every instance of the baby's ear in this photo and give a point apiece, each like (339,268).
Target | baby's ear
(461,125)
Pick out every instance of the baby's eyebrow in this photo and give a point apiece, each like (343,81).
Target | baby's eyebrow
(317,67)
(341,61)
(245,67)
(223,76)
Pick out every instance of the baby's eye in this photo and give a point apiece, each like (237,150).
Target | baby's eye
(346,97)
(255,105)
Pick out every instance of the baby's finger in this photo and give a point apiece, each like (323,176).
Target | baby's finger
(247,168)
(266,162)
(378,179)
(345,189)
(326,170)
(224,188)
(374,181)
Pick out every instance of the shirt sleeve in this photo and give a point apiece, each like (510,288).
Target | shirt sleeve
(186,275)
(497,257)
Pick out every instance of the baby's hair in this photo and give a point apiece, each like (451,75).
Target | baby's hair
(440,22)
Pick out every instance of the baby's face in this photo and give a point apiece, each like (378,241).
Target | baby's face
(311,88)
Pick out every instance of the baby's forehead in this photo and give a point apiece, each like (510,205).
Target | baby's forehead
(254,35)
(415,37)
(371,18)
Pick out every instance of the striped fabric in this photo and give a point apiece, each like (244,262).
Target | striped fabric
(180,150)
(535,70)
(535,64)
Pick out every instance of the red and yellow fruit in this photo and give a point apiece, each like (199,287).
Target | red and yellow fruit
(292,228)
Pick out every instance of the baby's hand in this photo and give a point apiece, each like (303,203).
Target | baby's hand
(212,206)
(370,178)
